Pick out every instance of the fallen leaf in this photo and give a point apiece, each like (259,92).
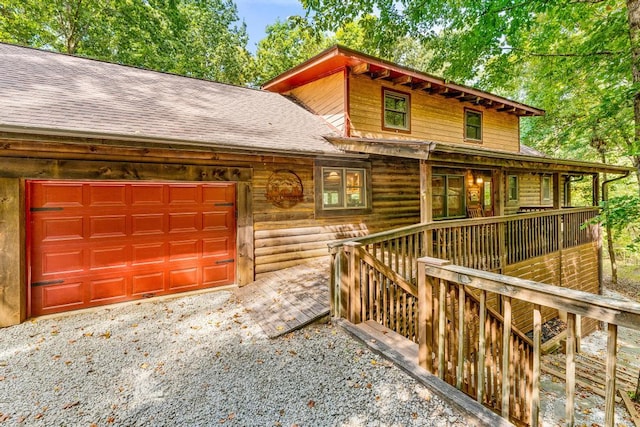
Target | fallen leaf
(71,405)
(373,362)
(280,328)
(144,365)
(292,352)
(231,416)
(106,335)
(111,420)
(414,415)
(4,417)
(311,404)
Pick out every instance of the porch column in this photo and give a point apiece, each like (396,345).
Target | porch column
(497,176)
(426,210)
(557,202)
(12,287)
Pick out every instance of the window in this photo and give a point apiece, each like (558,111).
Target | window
(473,125)
(545,188)
(395,110)
(343,188)
(512,188)
(448,196)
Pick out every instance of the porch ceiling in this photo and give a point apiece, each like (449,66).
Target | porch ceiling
(449,154)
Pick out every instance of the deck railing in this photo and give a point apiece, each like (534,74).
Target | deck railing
(496,366)
(490,244)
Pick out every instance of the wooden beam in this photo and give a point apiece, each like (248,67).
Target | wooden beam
(467,98)
(452,94)
(383,74)
(506,357)
(360,68)
(403,80)
(535,390)
(421,86)
(570,381)
(12,287)
(245,243)
(610,381)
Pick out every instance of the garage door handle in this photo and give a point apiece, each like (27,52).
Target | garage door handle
(223,204)
(48,282)
(225,261)
(45,209)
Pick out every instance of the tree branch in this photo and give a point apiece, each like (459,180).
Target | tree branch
(566,54)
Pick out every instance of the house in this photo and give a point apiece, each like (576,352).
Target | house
(118,183)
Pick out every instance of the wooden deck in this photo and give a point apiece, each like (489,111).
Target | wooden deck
(289,299)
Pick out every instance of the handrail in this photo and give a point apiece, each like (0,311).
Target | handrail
(426,226)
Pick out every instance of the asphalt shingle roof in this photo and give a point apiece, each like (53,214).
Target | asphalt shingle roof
(40,89)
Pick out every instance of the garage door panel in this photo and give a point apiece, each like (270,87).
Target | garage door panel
(56,229)
(108,226)
(148,283)
(108,257)
(70,261)
(57,195)
(187,222)
(119,241)
(219,247)
(184,194)
(107,289)
(59,297)
(142,224)
(214,274)
(107,195)
(150,253)
(218,221)
(183,278)
(148,195)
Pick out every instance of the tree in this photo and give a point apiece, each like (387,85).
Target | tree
(578,58)
(199,38)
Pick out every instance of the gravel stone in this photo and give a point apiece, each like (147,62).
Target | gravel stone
(200,360)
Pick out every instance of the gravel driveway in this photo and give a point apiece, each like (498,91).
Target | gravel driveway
(199,360)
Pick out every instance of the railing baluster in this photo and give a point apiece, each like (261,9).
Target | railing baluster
(506,336)
(482,345)
(610,402)
(535,392)
(570,369)
(442,305)
(461,306)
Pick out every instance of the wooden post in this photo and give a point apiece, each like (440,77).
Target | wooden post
(506,356)
(557,201)
(461,301)
(13,309)
(535,391)
(442,320)
(355,297)
(333,280)
(425,318)
(570,370)
(426,212)
(497,176)
(343,261)
(482,346)
(610,381)
(246,261)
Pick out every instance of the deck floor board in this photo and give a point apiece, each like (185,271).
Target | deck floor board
(289,299)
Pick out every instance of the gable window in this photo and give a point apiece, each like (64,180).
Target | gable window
(472,125)
(343,188)
(512,188)
(448,196)
(545,189)
(395,114)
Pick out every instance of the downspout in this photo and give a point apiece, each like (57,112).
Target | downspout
(605,197)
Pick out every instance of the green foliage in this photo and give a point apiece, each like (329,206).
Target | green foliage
(622,214)
(199,38)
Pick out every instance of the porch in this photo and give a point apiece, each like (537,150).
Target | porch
(467,291)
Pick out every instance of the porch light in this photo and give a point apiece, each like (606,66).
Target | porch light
(479,180)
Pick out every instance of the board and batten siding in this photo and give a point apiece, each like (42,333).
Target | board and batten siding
(287,237)
(325,98)
(433,117)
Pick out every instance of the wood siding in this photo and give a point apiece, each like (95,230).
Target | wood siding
(324,97)
(286,237)
(433,117)
(574,268)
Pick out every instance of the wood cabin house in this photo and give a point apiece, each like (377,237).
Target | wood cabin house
(119,183)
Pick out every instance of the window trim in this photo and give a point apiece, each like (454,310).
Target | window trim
(466,136)
(517,187)
(463,196)
(320,210)
(392,128)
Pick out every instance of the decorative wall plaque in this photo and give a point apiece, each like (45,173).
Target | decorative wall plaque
(284,189)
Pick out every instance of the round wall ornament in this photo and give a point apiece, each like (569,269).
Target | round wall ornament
(284,189)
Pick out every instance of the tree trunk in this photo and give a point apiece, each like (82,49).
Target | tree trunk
(607,226)
(633,15)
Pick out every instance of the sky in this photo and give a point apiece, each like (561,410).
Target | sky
(257,14)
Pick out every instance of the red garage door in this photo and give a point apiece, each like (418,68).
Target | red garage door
(95,243)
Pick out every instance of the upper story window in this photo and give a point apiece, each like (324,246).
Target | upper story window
(344,188)
(396,108)
(472,125)
(512,188)
(545,189)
